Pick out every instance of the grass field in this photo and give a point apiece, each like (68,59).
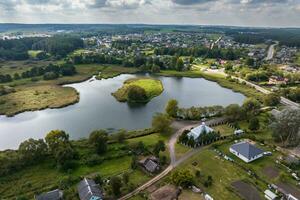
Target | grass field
(298,58)
(113,71)
(152,87)
(38,97)
(224,129)
(33,53)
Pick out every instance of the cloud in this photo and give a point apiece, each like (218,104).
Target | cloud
(227,12)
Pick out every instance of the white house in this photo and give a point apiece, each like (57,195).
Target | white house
(196,132)
(270,195)
(246,151)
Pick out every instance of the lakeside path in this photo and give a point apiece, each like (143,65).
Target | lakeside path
(179,127)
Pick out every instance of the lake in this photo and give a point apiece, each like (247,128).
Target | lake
(98,109)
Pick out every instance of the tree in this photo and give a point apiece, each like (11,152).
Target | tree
(172,108)
(121,135)
(159,146)
(99,140)
(286,127)
(56,138)
(33,150)
(125,177)
(249,61)
(136,94)
(179,64)
(234,112)
(64,156)
(155,69)
(251,105)
(116,184)
(183,178)
(253,124)
(161,123)
(272,99)
(134,162)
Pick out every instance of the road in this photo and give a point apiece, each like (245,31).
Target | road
(283,100)
(179,127)
(271,52)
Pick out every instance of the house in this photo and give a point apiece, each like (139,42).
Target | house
(270,195)
(150,164)
(276,80)
(89,190)
(52,195)
(196,132)
(246,151)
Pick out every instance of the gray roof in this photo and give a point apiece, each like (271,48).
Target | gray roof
(52,195)
(150,165)
(246,149)
(89,190)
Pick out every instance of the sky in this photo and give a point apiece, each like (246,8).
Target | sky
(258,13)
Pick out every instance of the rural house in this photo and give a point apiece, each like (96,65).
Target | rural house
(52,195)
(89,190)
(150,164)
(246,151)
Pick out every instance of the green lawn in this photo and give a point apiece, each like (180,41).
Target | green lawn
(298,58)
(180,150)
(151,86)
(224,129)
(33,53)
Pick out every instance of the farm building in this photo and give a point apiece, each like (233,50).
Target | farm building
(246,151)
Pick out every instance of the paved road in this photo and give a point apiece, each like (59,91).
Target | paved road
(179,127)
(271,52)
(283,100)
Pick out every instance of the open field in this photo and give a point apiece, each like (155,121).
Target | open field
(224,129)
(38,97)
(113,71)
(152,88)
(298,58)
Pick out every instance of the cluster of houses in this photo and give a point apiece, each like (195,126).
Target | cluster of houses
(278,80)
(87,190)
(285,55)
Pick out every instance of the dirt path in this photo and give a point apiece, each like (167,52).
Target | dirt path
(179,126)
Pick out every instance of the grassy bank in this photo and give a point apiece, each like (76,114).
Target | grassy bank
(37,98)
(152,88)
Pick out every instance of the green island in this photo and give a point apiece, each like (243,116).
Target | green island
(139,90)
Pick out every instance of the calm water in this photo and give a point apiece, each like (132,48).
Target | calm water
(98,109)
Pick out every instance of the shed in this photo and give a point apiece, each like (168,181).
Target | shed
(270,195)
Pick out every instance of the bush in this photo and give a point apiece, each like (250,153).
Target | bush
(93,160)
(50,76)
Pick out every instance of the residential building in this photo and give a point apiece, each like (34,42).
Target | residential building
(52,195)
(246,151)
(196,132)
(89,190)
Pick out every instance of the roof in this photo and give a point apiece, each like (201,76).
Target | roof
(196,132)
(52,195)
(270,194)
(150,165)
(89,190)
(246,149)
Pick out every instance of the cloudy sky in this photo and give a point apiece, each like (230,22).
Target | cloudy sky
(271,13)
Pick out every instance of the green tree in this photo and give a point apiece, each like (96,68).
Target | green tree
(251,106)
(99,140)
(253,124)
(159,146)
(134,162)
(155,69)
(136,94)
(116,184)
(179,64)
(64,156)
(121,135)
(125,177)
(183,178)
(286,127)
(234,112)
(172,108)
(161,123)
(56,138)
(271,99)
(33,150)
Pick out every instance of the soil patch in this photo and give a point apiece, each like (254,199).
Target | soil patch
(167,192)
(247,191)
(271,172)
(290,189)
